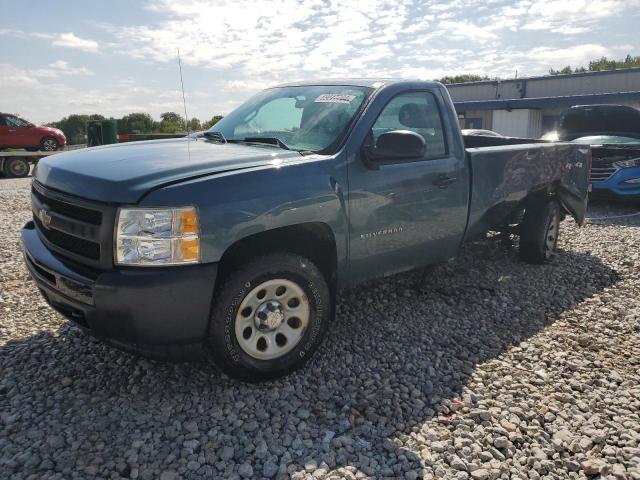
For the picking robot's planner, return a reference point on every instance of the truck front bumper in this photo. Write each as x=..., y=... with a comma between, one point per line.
x=159, y=312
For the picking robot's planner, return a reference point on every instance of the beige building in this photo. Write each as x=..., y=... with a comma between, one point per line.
x=530, y=107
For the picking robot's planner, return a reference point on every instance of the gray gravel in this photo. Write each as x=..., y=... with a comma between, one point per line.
x=482, y=368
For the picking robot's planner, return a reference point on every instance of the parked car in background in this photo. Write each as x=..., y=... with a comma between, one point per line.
x=477, y=131
x=16, y=132
x=613, y=131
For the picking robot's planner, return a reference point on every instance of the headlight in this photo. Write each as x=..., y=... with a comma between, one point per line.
x=630, y=163
x=157, y=236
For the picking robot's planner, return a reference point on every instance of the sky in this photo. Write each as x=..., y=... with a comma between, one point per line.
x=118, y=57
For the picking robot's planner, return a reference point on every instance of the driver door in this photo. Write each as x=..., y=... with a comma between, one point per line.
x=405, y=213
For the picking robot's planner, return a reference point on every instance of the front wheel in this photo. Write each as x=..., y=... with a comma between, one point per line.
x=539, y=231
x=269, y=317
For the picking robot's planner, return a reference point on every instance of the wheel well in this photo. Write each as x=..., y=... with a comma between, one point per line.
x=314, y=241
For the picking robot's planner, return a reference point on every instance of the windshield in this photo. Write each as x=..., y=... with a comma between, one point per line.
x=606, y=140
x=307, y=118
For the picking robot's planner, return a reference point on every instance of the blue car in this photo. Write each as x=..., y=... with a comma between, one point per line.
x=615, y=168
x=613, y=131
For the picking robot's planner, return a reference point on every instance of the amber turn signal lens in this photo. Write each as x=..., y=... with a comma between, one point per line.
x=190, y=249
x=189, y=222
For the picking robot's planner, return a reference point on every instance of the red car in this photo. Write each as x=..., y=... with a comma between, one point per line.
x=18, y=133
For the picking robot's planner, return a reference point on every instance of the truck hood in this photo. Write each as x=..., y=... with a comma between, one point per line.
x=124, y=173
x=594, y=120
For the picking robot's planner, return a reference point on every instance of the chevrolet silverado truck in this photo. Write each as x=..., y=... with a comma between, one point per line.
x=233, y=244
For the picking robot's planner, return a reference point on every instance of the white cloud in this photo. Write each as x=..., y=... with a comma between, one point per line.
x=244, y=85
x=266, y=42
x=231, y=48
x=569, y=17
x=59, y=68
x=46, y=95
x=254, y=44
x=464, y=29
x=70, y=40
x=574, y=55
x=11, y=77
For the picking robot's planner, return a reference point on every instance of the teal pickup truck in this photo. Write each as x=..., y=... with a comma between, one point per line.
x=233, y=243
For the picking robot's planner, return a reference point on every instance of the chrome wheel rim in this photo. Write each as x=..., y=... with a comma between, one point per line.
x=272, y=319
x=551, y=236
x=49, y=145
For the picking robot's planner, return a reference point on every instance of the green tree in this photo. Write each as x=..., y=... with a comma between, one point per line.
x=561, y=71
x=599, y=65
x=136, y=123
x=171, y=122
x=74, y=127
x=210, y=123
x=194, y=125
x=463, y=78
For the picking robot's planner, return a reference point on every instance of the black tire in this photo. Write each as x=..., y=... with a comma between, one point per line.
x=539, y=230
x=223, y=343
x=16, y=167
x=49, y=144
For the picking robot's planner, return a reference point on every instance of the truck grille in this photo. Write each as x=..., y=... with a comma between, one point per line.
x=79, y=229
x=73, y=244
x=73, y=211
x=601, y=169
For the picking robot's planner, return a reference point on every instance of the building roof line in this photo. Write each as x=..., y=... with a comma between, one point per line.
x=546, y=77
x=541, y=102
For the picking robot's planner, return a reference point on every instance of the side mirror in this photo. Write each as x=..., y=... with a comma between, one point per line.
x=397, y=145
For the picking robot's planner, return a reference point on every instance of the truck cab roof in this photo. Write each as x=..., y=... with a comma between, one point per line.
x=361, y=82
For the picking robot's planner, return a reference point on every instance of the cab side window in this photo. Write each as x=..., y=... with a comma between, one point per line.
x=15, y=122
x=417, y=112
x=3, y=121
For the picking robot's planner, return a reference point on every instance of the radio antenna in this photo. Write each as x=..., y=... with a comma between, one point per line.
x=184, y=104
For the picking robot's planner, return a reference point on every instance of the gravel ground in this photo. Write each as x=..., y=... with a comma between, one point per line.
x=482, y=368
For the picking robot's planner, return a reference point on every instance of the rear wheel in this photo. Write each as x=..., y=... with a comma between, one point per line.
x=49, y=144
x=539, y=230
x=16, y=167
x=269, y=317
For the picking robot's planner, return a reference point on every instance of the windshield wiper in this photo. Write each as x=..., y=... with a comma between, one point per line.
x=266, y=140
x=216, y=136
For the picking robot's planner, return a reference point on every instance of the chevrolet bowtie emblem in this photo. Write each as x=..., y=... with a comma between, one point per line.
x=45, y=218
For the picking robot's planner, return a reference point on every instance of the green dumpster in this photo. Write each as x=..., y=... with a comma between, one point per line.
x=101, y=132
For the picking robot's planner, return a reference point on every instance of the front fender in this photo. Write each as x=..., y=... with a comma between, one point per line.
x=235, y=205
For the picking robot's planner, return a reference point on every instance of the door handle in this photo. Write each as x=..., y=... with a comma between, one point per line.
x=443, y=181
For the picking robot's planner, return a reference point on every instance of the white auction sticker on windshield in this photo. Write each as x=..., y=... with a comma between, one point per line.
x=334, y=98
